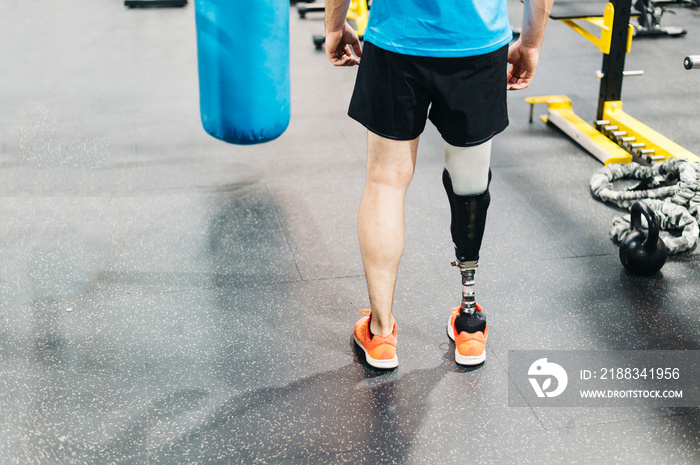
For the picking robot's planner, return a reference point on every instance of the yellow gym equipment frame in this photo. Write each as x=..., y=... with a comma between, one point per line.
x=359, y=13
x=616, y=137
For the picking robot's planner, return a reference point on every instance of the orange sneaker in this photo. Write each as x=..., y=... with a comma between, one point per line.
x=380, y=352
x=470, y=340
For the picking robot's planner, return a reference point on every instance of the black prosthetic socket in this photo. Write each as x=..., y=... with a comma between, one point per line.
x=468, y=219
x=470, y=322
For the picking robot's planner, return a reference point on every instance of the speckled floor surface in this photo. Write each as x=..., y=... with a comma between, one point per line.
x=168, y=298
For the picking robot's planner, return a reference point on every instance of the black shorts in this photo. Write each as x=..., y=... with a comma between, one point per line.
x=466, y=95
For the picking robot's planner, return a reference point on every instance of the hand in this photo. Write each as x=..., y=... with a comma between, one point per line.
x=523, y=62
x=340, y=45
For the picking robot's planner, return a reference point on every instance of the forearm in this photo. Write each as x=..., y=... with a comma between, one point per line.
x=534, y=22
x=336, y=12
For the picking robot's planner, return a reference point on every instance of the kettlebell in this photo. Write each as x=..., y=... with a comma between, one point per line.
x=640, y=253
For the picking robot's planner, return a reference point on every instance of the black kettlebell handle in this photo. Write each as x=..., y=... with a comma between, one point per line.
x=638, y=209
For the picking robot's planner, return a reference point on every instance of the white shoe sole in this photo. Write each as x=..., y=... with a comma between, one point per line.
x=383, y=364
x=464, y=359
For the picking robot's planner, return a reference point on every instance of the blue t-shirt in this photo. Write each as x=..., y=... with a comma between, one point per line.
x=439, y=28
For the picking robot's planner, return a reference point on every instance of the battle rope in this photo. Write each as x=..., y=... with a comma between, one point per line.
x=676, y=206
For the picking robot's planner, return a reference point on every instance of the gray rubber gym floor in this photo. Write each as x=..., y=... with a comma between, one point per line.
x=168, y=298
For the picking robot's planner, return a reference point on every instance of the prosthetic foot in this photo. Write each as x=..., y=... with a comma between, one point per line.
x=469, y=333
x=469, y=317
x=467, y=324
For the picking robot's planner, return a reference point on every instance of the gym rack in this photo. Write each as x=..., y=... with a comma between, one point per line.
x=615, y=137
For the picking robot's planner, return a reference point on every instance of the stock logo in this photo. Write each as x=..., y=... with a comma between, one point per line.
x=542, y=369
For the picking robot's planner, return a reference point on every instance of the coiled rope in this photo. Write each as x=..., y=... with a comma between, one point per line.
x=670, y=188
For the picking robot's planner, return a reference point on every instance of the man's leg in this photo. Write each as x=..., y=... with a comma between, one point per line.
x=390, y=167
x=466, y=180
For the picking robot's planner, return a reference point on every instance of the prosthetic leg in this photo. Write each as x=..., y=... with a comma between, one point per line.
x=467, y=228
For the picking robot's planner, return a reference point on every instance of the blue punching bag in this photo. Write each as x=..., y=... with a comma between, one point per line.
x=243, y=57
